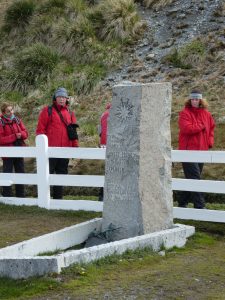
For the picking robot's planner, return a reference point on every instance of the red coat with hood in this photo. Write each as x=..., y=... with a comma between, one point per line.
x=52, y=126
x=8, y=130
x=196, y=129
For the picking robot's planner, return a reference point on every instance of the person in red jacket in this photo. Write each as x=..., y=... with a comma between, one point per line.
x=12, y=133
x=103, y=126
x=102, y=130
x=196, y=126
x=52, y=122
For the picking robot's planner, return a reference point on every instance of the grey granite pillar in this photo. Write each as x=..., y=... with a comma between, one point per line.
x=137, y=192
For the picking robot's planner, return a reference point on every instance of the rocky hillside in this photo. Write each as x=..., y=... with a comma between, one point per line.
x=96, y=44
x=183, y=42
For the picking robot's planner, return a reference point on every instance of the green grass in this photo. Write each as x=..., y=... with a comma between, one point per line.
x=133, y=273
x=19, y=14
x=24, y=289
x=188, y=56
x=19, y=223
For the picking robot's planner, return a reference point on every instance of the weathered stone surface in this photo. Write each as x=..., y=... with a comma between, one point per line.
x=26, y=267
x=18, y=268
x=169, y=238
x=138, y=193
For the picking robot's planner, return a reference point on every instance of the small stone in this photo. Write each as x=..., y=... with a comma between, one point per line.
x=150, y=56
x=162, y=253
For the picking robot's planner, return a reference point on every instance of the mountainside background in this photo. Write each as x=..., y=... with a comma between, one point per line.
x=88, y=46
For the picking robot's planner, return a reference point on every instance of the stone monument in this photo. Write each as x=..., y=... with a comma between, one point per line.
x=137, y=191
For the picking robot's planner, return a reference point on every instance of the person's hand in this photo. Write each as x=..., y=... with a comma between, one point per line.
x=203, y=126
x=18, y=135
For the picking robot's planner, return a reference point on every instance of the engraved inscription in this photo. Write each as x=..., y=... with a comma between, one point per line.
x=120, y=190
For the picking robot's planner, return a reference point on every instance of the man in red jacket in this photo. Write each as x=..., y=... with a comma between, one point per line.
x=52, y=122
x=196, y=133
x=12, y=133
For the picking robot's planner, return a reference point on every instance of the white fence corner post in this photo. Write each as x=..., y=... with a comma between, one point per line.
x=43, y=171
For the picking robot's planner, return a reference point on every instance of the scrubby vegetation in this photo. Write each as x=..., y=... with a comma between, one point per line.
x=54, y=33
x=71, y=43
x=30, y=67
x=188, y=56
x=77, y=43
x=18, y=15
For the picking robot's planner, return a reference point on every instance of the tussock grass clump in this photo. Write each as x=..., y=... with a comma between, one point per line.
x=87, y=78
x=69, y=33
x=72, y=37
x=116, y=20
x=53, y=6
x=18, y=14
x=31, y=66
x=187, y=57
x=40, y=29
x=77, y=5
x=62, y=8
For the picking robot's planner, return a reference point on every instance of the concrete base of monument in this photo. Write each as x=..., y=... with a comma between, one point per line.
x=16, y=263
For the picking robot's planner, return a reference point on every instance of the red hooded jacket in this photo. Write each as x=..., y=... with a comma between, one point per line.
x=52, y=126
x=8, y=130
x=196, y=129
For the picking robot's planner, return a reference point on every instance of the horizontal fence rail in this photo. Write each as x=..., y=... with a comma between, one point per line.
x=77, y=180
x=19, y=178
x=18, y=152
x=198, y=156
x=192, y=185
x=81, y=153
x=44, y=180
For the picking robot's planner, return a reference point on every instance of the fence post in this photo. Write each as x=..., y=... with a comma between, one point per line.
x=43, y=171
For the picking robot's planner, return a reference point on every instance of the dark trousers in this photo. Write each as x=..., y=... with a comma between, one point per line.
x=101, y=194
x=58, y=166
x=192, y=171
x=18, y=164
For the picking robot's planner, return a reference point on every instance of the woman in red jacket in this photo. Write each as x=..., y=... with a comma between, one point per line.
x=52, y=122
x=12, y=133
x=196, y=133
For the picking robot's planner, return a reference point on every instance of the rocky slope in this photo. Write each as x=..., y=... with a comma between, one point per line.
x=170, y=29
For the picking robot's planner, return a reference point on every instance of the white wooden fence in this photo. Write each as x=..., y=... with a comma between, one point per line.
x=44, y=180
